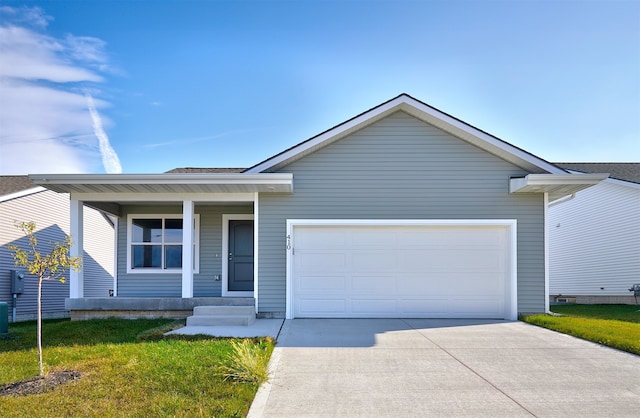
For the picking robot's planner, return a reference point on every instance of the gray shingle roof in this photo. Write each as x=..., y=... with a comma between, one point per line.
x=621, y=171
x=14, y=184
x=206, y=170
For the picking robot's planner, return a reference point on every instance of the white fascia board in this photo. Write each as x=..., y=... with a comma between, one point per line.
x=21, y=193
x=478, y=137
x=180, y=178
x=164, y=197
x=331, y=135
x=540, y=183
x=425, y=113
x=160, y=184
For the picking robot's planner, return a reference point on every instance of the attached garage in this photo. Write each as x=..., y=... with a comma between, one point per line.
x=401, y=269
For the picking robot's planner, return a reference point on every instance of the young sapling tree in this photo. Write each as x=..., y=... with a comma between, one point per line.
x=45, y=266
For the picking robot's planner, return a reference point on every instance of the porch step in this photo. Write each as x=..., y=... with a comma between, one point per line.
x=222, y=315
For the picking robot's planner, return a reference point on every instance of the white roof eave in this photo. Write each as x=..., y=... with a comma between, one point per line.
x=166, y=183
x=556, y=185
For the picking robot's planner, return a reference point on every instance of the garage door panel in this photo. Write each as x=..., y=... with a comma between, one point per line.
x=320, y=238
x=451, y=260
x=447, y=307
x=424, y=284
x=367, y=284
x=479, y=283
x=425, y=307
x=322, y=307
x=324, y=283
x=450, y=283
x=381, y=238
x=477, y=307
x=417, y=271
x=321, y=261
x=373, y=261
x=374, y=307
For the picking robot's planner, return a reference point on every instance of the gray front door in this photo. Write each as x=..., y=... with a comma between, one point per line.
x=240, y=256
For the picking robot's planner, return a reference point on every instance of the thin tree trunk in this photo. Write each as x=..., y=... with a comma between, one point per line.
x=39, y=332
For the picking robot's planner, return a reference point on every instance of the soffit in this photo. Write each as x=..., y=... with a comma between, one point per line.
x=177, y=183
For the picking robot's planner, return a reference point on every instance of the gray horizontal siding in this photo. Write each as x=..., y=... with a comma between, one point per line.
x=170, y=285
x=99, y=249
x=50, y=211
x=594, y=242
x=401, y=168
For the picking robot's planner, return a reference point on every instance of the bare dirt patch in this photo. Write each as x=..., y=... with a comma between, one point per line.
x=39, y=384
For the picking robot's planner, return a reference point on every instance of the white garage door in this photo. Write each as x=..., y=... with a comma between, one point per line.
x=402, y=271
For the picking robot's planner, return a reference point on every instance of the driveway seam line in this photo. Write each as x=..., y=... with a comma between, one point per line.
x=470, y=369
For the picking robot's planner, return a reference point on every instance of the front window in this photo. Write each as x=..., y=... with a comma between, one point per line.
x=155, y=243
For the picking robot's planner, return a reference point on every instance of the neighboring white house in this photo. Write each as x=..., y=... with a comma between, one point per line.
x=21, y=200
x=594, y=237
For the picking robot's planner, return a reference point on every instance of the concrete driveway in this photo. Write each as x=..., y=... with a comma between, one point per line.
x=443, y=368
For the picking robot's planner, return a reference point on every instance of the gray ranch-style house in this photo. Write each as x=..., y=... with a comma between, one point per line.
x=401, y=211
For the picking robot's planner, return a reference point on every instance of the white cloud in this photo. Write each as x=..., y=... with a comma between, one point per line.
x=33, y=16
x=48, y=125
x=110, y=159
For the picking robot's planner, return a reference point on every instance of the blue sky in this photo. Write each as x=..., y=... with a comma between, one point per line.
x=146, y=86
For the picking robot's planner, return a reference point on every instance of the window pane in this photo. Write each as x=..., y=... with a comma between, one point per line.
x=173, y=230
x=173, y=256
x=146, y=256
x=146, y=230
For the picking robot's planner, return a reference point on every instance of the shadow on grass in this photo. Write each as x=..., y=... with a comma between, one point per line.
x=67, y=333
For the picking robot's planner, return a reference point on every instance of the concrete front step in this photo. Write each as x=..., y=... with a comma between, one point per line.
x=224, y=310
x=222, y=315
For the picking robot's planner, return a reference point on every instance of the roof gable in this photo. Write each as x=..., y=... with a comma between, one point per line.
x=423, y=112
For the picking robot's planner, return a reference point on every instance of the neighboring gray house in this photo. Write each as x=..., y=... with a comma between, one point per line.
x=401, y=211
x=21, y=200
x=594, y=237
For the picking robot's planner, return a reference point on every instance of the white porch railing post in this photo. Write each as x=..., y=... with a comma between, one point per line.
x=187, y=248
x=76, y=278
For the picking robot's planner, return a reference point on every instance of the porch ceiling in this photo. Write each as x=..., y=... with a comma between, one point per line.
x=183, y=183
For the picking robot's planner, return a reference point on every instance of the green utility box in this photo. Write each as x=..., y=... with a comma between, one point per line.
x=4, y=317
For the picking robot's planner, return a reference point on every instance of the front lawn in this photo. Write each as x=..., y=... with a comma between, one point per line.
x=127, y=369
x=616, y=326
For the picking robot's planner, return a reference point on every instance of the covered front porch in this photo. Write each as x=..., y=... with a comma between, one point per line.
x=164, y=269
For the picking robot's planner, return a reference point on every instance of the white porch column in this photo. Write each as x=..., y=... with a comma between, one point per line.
x=187, y=248
x=76, y=278
x=256, y=236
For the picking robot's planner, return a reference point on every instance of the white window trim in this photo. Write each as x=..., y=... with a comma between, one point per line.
x=149, y=270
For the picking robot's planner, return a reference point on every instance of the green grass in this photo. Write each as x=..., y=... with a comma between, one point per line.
x=616, y=326
x=128, y=370
x=626, y=313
